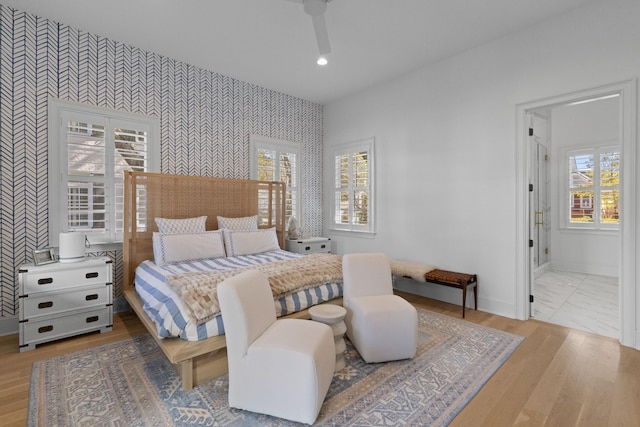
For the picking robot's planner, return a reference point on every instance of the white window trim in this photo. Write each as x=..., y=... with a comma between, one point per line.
x=56, y=109
x=367, y=145
x=596, y=150
x=257, y=142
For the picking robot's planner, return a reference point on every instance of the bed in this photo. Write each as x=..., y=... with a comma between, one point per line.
x=198, y=350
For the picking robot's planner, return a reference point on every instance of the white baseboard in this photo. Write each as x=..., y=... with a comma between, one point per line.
x=8, y=325
x=120, y=304
x=600, y=270
x=454, y=296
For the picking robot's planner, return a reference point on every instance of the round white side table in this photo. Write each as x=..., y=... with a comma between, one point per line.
x=333, y=315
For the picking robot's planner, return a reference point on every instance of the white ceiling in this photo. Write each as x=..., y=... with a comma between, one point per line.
x=271, y=43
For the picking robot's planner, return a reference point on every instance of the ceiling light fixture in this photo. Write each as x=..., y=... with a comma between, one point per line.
x=316, y=9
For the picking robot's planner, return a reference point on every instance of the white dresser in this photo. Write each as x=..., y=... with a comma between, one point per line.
x=64, y=299
x=310, y=245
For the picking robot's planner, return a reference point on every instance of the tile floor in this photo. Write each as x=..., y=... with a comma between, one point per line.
x=581, y=301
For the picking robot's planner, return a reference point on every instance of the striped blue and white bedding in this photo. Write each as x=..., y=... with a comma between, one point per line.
x=164, y=307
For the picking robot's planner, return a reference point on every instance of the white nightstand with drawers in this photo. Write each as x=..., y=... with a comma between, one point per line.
x=64, y=299
x=312, y=245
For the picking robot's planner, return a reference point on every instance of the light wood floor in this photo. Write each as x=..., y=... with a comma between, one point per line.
x=557, y=377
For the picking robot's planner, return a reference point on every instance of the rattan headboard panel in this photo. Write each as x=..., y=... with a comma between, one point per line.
x=151, y=195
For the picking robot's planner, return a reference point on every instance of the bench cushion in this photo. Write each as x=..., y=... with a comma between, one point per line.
x=449, y=277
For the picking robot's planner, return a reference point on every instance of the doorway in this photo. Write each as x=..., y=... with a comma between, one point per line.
x=577, y=287
x=528, y=257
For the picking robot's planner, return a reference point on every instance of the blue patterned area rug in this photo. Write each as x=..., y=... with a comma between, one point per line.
x=130, y=383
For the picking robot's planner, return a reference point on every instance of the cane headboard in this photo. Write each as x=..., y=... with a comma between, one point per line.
x=152, y=195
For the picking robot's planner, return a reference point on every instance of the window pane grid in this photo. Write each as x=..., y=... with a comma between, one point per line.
x=86, y=157
x=141, y=207
x=609, y=206
x=582, y=206
x=287, y=169
x=353, y=186
x=581, y=171
x=86, y=206
x=78, y=201
x=288, y=176
x=119, y=204
x=360, y=169
x=266, y=165
x=610, y=169
x=277, y=162
x=342, y=213
x=263, y=207
x=96, y=152
x=130, y=151
x=594, y=187
x=360, y=207
x=342, y=171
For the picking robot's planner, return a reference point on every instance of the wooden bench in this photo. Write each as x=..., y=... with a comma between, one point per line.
x=456, y=280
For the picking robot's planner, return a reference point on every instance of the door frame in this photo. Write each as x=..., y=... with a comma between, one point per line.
x=629, y=219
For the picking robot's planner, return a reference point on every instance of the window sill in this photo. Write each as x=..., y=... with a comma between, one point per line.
x=591, y=231
x=105, y=247
x=353, y=233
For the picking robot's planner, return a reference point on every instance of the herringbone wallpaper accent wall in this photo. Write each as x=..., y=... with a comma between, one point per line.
x=205, y=119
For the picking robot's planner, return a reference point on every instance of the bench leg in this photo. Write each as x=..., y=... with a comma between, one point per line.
x=464, y=297
x=475, y=296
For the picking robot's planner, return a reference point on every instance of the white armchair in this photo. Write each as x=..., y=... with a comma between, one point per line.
x=380, y=325
x=276, y=367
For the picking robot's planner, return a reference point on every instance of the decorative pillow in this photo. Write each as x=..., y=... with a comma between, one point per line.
x=245, y=223
x=182, y=226
x=250, y=242
x=172, y=248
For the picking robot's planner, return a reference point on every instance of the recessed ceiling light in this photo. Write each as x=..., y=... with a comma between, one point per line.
x=322, y=61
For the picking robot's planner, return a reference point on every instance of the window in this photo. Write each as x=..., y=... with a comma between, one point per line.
x=353, y=198
x=89, y=150
x=593, y=188
x=277, y=160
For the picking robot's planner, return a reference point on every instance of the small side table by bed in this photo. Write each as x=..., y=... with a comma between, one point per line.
x=333, y=315
x=312, y=245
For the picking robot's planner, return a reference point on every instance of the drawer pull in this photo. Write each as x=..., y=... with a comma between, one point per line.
x=323, y=246
x=43, y=329
x=45, y=281
x=47, y=304
x=91, y=297
x=307, y=248
x=92, y=275
x=92, y=319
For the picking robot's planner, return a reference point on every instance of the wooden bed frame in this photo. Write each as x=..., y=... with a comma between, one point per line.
x=150, y=195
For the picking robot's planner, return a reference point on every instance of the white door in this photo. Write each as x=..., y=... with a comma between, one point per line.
x=539, y=224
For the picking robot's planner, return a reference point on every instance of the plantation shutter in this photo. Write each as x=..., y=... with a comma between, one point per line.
x=96, y=152
x=278, y=160
x=353, y=191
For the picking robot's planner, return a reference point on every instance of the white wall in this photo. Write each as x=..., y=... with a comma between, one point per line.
x=445, y=141
x=583, y=125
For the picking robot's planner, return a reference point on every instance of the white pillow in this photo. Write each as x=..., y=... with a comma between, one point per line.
x=172, y=248
x=182, y=226
x=250, y=242
x=245, y=223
